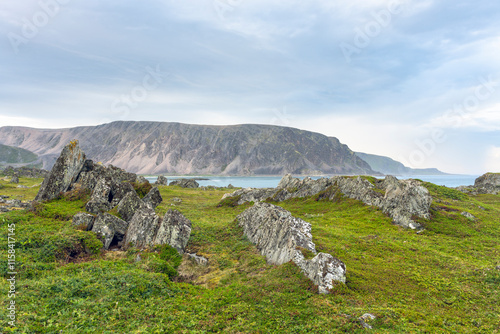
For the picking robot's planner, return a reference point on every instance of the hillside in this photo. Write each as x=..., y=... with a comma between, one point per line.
x=442, y=280
x=15, y=155
x=386, y=165
x=173, y=148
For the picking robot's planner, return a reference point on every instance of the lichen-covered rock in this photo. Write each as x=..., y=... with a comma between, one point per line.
x=200, y=260
x=14, y=179
x=109, y=229
x=323, y=270
x=185, y=183
x=129, y=205
x=143, y=228
x=162, y=181
x=153, y=198
x=276, y=232
x=119, y=191
x=280, y=237
x=488, y=183
x=175, y=230
x=64, y=173
x=83, y=221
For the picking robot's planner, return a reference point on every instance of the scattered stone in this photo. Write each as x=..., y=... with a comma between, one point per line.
x=280, y=237
x=497, y=267
x=15, y=179
x=138, y=258
x=177, y=200
x=143, y=228
x=84, y=221
x=109, y=229
x=63, y=174
x=29, y=172
x=153, y=198
x=22, y=187
x=468, y=215
x=365, y=318
x=230, y=186
x=185, y=183
x=174, y=230
x=162, y=181
x=200, y=260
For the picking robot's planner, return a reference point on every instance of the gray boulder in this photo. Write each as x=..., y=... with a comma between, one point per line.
x=175, y=230
x=14, y=179
x=488, y=183
x=109, y=229
x=143, y=228
x=129, y=205
x=280, y=237
x=153, y=198
x=199, y=260
x=162, y=181
x=84, y=221
x=63, y=174
x=185, y=183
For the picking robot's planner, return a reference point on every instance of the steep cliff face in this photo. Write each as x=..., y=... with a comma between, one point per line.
x=151, y=147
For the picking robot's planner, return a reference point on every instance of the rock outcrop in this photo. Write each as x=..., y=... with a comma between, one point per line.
x=30, y=172
x=14, y=179
x=488, y=183
x=112, y=187
x=64, y=173
x=280, y=237
x=399, y=199
x=185, y=183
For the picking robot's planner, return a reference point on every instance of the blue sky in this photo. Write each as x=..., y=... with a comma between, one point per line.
x=418, y=81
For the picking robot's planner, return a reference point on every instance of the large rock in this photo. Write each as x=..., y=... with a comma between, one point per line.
x=153, y=198
x=185, y=183
x=488, y=183
x=83, y=221
x=143, y=228
x=174, y=230
x=14, y=179
x=280, y=237
x=119, y=191
x=162, y=181
x=109, y=229
x=64, y=173
x=129, y=205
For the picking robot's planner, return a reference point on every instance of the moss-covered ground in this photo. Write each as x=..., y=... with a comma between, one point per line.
x=442, y=280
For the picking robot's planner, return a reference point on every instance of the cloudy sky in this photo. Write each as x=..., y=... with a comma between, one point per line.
x=418, y=81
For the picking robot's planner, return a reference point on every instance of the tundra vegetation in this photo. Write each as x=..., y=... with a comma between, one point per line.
x=439, y=279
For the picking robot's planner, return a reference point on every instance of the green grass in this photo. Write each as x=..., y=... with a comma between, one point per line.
x=442, y=280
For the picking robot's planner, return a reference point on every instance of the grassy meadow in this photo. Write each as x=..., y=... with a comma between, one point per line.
x=442, y=280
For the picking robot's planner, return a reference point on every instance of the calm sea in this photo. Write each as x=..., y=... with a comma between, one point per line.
x=272, y=181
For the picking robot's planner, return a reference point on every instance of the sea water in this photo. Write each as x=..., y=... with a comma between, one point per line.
x=272, y=181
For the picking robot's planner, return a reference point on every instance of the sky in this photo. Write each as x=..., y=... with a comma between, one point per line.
x=418, y=81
